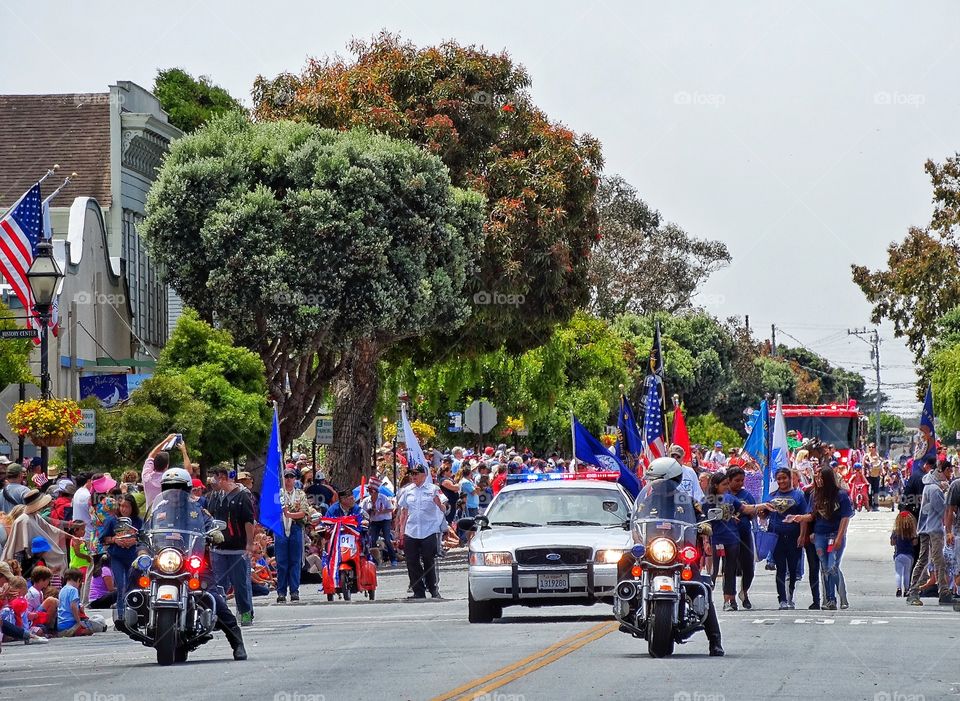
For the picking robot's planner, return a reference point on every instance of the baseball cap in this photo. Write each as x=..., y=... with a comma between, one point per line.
x=290, y=472
x=4, y=460
x=15, y=470
x=244, y=476
x=718, y=444
x=417, y=468
x=197, y=484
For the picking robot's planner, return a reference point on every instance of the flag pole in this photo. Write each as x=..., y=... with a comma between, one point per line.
x=573, y=444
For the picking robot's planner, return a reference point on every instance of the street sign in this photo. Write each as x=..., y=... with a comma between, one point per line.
x=523, y=432
x=480, y=417
x=325, y=430
x=455, y=424
x=86, y=432
x=19, y=333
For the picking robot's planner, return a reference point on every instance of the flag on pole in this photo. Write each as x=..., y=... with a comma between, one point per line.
x=271, y=513
x=629, y=440
x=779, y=450
x=591, y=451
x=415, y=454
x=47, y=233
x=20, y=231
x=759, y=428
x=653, y=425
x=928, y=433
x=680, y=434
x=656, y=353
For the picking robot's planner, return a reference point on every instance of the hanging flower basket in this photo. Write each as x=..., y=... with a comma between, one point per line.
x=48, y=423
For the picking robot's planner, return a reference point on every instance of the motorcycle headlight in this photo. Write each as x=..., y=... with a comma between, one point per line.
x=662, y=551
x=608, y=557
x=168, y=561
x=492, y=559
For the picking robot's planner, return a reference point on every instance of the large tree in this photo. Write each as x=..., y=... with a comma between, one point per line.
x=191, y=102
x=472, y=108
x=304, y=242
x=642, y=264
x=922, y=279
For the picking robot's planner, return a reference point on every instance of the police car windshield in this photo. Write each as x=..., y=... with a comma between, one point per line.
x=559, y=507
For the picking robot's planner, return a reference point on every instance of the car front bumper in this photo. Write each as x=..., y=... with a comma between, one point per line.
x=519, y=585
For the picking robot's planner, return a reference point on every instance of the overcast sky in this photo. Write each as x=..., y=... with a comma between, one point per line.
x=794, y=132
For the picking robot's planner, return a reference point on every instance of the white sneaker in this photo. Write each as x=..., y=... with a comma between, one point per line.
x=36, y=640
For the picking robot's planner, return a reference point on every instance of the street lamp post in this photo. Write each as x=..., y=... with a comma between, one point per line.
x=44, y=276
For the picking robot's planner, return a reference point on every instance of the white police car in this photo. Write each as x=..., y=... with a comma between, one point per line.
x=548, y=540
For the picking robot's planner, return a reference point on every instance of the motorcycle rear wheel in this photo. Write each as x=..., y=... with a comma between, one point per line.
x=660, y=629
x=166, y=637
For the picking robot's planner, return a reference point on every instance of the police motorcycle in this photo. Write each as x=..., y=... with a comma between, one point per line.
x=660, y=597
x=171, y=605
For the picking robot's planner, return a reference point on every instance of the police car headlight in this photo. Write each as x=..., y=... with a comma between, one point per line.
x=608, y=557
x=169, y=561
x=662, y=551
x=492, y=559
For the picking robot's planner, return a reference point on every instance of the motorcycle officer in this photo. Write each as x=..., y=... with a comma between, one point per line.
x=178, y=478
x=664, y=479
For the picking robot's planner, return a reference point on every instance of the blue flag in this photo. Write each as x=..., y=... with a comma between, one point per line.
x=928, y=434
x=779, y=448
x=592, y=451
x=628, y=435
x=271, y=514
x=756, y=446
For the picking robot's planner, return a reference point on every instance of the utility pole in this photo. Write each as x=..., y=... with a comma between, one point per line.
x=773, y=340
x=874, y=344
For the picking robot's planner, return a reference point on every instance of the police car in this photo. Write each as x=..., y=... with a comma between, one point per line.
x=548, y=540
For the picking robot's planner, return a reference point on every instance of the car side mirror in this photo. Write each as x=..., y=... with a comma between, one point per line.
x=467, y=523
x=714, y=514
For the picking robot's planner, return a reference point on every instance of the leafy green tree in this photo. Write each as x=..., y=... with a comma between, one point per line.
x=304, y=241
x=14, y=353
x=642, y=264
x=890, y=424
x=191, y=102
x=473, y=109
x=944, y=364
x=922, y=280
x=706, y=429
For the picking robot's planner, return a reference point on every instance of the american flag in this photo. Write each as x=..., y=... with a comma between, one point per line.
x=20, y=231
x=653, y=427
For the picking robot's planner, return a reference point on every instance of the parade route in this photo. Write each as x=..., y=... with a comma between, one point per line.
x=315, y=650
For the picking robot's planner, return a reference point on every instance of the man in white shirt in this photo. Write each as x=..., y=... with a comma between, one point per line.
x=716, y=458
x=379, y=510
x=690, y=483
x=422, y=508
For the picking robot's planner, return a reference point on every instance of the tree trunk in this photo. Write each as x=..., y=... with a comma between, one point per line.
x=354, y=423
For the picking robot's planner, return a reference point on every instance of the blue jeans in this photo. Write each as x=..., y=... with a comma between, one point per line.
x=289, y=552
x=378, y=528
x=829, y=564
x=121, y=580
x=234, y=570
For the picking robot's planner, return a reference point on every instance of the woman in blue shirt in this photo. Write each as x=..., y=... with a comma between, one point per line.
x=829, y=510
x=120, y=539
x=726, y=534
x=786, y=501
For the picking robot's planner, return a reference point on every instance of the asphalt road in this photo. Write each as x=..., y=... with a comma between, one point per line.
x=879, y=649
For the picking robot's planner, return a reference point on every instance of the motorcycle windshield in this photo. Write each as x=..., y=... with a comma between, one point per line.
x=664, y=511
x=176, y=521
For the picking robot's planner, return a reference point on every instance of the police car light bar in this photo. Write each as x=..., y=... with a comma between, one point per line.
x=607, y=476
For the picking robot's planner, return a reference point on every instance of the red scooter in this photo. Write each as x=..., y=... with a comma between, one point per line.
x=347, y=569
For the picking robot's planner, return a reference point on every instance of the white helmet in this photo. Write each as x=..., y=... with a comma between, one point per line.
x=176, y=478
x=663, y=469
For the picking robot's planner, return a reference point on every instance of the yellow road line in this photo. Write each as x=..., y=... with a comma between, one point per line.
x=532, y=663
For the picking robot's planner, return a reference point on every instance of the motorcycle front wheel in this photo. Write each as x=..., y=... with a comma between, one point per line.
x=660, y=629
x=166, y=637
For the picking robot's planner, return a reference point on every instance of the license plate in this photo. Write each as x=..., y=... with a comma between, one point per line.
x=346, y=541
x=553, y=582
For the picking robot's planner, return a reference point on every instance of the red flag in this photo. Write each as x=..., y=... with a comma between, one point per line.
x=680, y=435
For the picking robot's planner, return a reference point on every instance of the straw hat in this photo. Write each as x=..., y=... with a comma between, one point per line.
x=33, y=501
